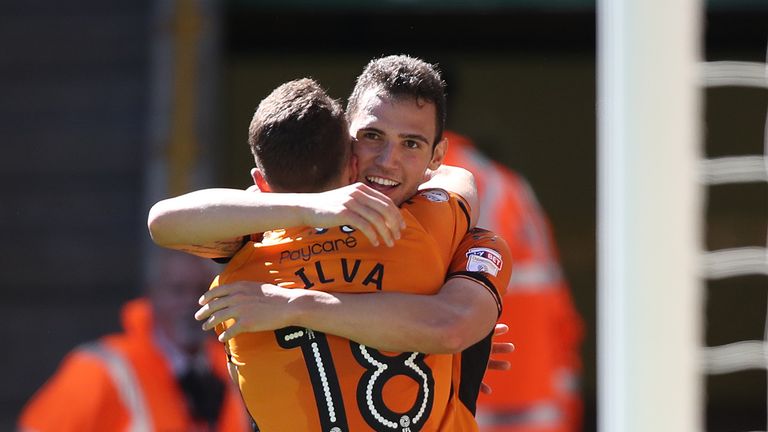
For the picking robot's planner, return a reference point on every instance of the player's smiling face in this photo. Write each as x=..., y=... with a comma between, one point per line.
x=393, y=143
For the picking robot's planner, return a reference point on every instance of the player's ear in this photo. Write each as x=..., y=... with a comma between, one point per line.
x=438, y=154
x=259, y=181
x=352, y=168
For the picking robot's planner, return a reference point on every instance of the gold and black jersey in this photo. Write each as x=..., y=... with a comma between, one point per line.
x=296, y=379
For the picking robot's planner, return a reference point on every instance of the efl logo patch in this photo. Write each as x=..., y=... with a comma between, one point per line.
x=484, y=260
x=435, y=195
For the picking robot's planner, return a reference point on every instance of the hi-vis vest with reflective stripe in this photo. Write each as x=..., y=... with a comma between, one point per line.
x=126, y=384
x=123, y=382
x=546, y=329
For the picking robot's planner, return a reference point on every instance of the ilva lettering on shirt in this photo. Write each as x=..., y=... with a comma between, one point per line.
x=327, y=272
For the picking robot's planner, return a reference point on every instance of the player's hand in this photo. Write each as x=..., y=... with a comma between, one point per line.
x=359, y=206
x=253, y=306
x=498, y=348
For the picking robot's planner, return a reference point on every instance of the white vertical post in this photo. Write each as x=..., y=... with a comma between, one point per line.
x=649, y=237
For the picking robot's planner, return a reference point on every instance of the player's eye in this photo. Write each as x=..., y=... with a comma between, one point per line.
x=411, y=144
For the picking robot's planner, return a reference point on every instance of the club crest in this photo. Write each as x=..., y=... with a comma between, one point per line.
x=484, y=260
x=435, y=195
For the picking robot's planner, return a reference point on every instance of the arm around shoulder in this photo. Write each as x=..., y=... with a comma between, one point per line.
x=212, y=222
x=462, y=313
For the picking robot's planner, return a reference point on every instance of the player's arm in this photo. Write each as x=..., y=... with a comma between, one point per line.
x=460, y=314
x=456, y=180
x=212, y=222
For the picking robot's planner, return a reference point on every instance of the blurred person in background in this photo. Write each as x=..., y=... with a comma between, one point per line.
x=540, y=393
x=162, y=373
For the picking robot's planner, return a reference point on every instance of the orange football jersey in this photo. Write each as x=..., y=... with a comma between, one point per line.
x=296, y=379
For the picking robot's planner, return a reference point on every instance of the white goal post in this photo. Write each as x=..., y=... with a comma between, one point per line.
x=649, y=216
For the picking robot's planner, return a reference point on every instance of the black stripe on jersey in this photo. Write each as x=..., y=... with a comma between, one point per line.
x=483, y=280
x=322, y=374
x=225, y=260
x=474, y=361
x=466, y=212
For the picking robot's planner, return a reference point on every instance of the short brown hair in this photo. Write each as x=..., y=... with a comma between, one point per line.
x=299, y=137
x=402, y=76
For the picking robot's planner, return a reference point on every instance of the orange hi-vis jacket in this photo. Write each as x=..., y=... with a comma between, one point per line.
x=122, y=382
x=296, y=379
x=540, y=393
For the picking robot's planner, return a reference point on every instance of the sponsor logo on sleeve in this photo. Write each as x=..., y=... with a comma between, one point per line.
x=484, y=260
x=435, y=195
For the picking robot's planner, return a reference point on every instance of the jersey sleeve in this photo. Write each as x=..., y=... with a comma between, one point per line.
x=461, y=220
x=484, y=257
x=462, y=211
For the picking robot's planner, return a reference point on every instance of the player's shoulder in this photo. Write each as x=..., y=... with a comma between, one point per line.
x=436, y=197
x=481, y=234
x=435, y=203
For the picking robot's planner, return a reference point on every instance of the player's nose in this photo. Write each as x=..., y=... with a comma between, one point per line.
x=387, y=156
